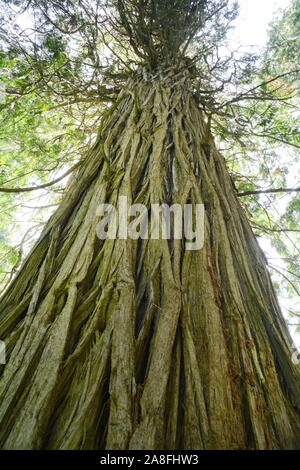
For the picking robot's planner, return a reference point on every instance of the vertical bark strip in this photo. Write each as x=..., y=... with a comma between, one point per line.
x=142, y=344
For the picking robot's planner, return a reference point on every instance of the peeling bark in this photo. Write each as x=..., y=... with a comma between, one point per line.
x=141, y=344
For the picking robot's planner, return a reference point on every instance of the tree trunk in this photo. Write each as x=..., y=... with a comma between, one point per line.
x=142, y=344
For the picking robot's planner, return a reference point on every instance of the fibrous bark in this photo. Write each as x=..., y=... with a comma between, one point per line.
x=141, y=344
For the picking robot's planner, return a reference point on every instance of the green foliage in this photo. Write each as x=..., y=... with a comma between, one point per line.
x=284, y=39
x=261, y=139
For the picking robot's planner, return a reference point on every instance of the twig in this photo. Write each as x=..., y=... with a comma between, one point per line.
x=269, y=191
x=34, y=188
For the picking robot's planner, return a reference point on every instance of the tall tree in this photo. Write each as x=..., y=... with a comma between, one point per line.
x=144, y=344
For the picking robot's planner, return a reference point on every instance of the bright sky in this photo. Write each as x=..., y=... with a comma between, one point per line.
x=252, y=22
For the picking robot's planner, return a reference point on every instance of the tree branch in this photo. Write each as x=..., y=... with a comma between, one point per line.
x=34, y=188
x=269, y=191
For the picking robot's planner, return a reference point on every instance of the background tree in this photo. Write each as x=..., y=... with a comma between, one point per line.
x=141, y=343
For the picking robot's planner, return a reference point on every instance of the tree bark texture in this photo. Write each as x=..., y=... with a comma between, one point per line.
x=141, y=344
